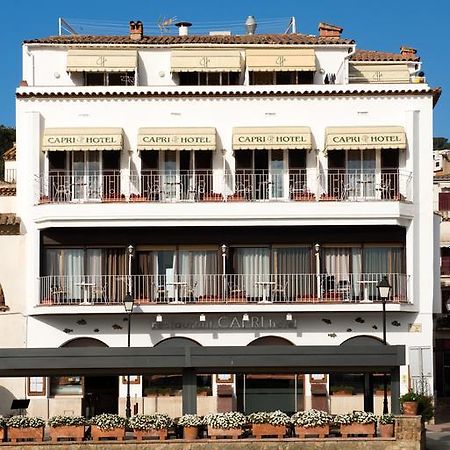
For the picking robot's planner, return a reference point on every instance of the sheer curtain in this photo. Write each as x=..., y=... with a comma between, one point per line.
x=73, y=272
x=196, y=269
x=254, y=265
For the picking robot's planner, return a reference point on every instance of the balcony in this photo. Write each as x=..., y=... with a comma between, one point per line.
x=221, y=289
x=217, y=186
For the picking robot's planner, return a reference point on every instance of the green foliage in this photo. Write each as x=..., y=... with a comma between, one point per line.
x=410, y=396
x=386, y=419
x=425, y=407
x=60, y=421
x=440, y=143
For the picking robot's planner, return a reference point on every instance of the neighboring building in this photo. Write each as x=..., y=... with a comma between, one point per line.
x=266, y=183
x=441, y=156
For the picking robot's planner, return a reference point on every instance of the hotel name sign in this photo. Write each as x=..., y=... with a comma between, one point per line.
x=82, y=140
x=225, y=322
x=173, y=139
x=299, y=140
x=176, y=139
x=366, y=139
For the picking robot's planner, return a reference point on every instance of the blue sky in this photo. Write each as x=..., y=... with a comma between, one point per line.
x=375, y=25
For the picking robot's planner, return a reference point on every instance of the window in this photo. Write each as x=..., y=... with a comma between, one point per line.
x=444, y=201
x=109, y=78
x=281, y=77
x=172, y=385
x=208, y=78
x=72, y=385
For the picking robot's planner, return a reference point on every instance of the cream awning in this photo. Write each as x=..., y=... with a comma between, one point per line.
x=272, y=59
x=378, y=73
x=101, y=60
x=73, y=139
x=206, y=60
x=354, y=138
x=177, y=139
x=271, y=138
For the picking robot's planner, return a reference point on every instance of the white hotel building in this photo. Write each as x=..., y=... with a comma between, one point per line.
x=266, y=184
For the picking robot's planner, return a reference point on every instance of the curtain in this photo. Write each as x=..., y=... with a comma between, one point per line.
x=114, y=265
x=199, y=270
x=252, y=266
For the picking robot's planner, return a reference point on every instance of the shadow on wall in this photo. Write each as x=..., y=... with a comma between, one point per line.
x=6, y=398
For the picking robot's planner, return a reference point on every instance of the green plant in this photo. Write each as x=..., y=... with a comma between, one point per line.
x=386, y=419
x=273, y=418
x=25, y=422
x=425, y=407
x=2, y=422
x=226, y=420
x=311, y=418
x=109, y=421
x=157, y=421
x=60, y=421
x=191, y=420
x=410, y=396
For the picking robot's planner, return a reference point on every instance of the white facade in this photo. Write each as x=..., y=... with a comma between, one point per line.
x=365, y=217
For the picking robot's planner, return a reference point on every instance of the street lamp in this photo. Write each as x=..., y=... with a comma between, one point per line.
x=128, y=303
x=384, y=289
x=224, y=250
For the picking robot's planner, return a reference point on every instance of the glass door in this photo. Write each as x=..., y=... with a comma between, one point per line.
x=86, y=179
x=171, y=179
x=276, y=174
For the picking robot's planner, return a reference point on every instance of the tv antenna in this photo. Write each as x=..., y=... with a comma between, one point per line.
x=164, y=24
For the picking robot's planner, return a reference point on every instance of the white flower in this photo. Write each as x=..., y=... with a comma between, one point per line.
x=311, y=418
x=191, y=420
x=157, y=421
x=356, y=417
x=273, y=418
x=59, y=421
x=226, y=421
x=25, y=422
x=108, y=421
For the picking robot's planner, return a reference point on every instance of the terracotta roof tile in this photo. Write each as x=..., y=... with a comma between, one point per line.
x=259, y=39
x=10, y=155
x=373, y=55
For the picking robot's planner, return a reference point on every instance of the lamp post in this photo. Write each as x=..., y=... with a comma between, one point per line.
x=384, y=288
x=128, y=303
x=317, y=259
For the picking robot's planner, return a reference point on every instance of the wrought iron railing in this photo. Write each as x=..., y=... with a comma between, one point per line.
x=219, y=288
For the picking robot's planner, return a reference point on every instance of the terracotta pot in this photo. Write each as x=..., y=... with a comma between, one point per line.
x=358, y=428
x=26, y=434
x=322, y=431
x=234, y=433
x=190, y=433
x=116, y=433
x=75, y=432
x=410, y=408
x=266, y=429
x=140, y=435
x=386, y=430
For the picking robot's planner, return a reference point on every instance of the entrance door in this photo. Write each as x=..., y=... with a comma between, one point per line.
x=100, y=395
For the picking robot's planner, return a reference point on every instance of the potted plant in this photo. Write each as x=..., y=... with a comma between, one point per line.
x=357, y=422
x=386, y=425
x=2, y=428
x=137, y=198
x=146, y=426
x=24, y=428
x=191, y=424
x=227, y=424
x=312, y=422
x=67, y=427
x=342, y=390
x=268, y=423
x=108, y=426
x=409, y=403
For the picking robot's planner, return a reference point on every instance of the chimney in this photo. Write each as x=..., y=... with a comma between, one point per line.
x=136, y=30
x=327, y=30
x=183, y=28
x=250, y=25
x=408, y=52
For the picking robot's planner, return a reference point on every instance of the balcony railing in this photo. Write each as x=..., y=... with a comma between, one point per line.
x=218, y=288
x=208, y=185
x=8, y=175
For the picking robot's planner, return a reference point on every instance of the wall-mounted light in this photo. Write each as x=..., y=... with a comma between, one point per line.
x=159, y=318
x=202, y=318
x=245, y=318
x=289, y=317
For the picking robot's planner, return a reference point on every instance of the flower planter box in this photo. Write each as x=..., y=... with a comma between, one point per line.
x=386, y=430
x=190, y=433
x=234, y=433
x=98, y=434
x=367, y=429
x=140, y=435
x=212, y=198
x=303, y=198
x=2, y=434
x=69, y=432
x=26, y=434
x=266, y=429
x=236, y=198
x=321, y=431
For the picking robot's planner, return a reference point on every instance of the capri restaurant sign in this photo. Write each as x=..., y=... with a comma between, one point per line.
x=225, y=322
